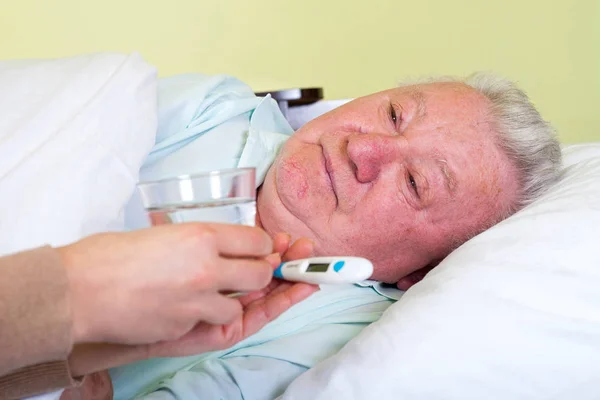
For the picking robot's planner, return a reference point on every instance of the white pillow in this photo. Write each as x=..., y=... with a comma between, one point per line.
x=512, y=314
x=73, y=135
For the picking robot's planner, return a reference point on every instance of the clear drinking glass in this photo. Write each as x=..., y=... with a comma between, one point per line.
x=225, y=196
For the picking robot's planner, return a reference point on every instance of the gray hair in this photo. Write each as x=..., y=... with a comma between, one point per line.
x=526, y=138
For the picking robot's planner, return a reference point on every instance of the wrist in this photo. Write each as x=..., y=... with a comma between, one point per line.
x=80, y=327
x=93, y=357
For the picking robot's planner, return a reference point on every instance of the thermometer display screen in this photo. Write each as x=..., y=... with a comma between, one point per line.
x=313, y=267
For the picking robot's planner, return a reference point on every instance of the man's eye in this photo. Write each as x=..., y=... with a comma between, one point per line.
x=413, y=183
x=393, y=116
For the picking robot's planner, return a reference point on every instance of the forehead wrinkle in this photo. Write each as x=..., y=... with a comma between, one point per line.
x=419, y=98
x=449, y=178
x=449, y=175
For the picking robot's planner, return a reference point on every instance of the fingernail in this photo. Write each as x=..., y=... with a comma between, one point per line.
x=312, y=246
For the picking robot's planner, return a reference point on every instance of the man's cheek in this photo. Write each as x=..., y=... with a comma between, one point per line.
x=291, y=179
x=379, y=214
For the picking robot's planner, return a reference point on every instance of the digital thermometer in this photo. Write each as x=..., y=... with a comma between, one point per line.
x=319, y=270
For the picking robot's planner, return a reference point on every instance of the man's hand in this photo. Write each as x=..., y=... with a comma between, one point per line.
x=414, y=277
x=259, y=308
x=96, y=386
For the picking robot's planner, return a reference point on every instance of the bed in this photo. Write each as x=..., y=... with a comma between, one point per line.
x=514, y=313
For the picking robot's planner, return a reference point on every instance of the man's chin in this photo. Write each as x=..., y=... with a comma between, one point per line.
x=271, y=216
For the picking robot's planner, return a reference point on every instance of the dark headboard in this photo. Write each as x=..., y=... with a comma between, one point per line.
x=294, y=97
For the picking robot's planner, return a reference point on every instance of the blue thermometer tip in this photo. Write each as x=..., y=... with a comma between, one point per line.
x=277, y=273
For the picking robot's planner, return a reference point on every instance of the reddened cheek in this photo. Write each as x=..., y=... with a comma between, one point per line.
x=291, y=178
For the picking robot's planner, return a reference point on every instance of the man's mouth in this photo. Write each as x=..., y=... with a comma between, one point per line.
x=329, y=172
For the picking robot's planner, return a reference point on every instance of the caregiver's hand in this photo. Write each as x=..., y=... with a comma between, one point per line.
x=260, y=308
x=157, y=284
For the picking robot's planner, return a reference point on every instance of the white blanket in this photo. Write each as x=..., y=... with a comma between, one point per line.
x=73, y=134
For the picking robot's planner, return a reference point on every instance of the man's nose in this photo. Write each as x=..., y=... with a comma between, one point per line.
x=370, y=152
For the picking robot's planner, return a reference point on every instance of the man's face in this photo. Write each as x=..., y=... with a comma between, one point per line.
x=395, y=177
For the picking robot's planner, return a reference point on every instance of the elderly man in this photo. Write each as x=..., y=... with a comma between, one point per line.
x=401, y=177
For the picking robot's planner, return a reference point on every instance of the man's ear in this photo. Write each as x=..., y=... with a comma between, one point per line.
x=415, y=276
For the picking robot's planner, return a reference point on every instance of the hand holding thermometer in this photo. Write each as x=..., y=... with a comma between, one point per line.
x=319, y=270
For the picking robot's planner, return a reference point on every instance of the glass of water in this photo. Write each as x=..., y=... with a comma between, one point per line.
x=224, y=196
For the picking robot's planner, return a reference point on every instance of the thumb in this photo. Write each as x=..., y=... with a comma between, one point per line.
x=273, y=259
x=302, y=248
x=281, y=242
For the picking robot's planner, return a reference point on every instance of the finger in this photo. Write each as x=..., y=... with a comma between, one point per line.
x=274, y=260
x=218, y=310
x=412, y=278
x=243, y=275
x=241, y=240
x=302, y=248
x=275, y=287
x=97, y=385
x=259, y=295
x=404, y=283
x=258, y=315
x=281, y=242
x=254, y=299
